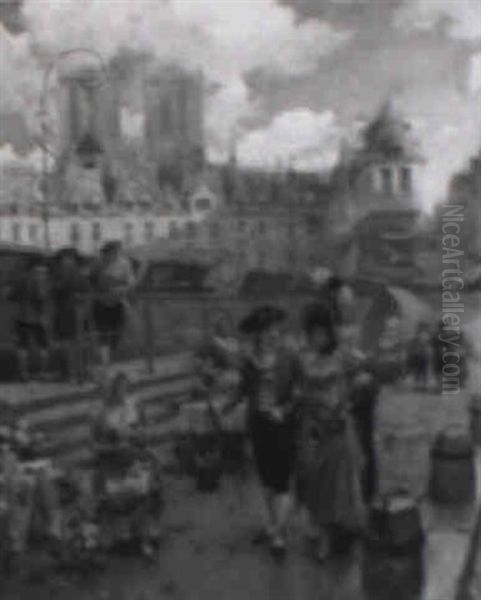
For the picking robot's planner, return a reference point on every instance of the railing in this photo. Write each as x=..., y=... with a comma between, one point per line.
x=161, y=323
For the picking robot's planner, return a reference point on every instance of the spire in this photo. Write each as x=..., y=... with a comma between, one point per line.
x=233, y=148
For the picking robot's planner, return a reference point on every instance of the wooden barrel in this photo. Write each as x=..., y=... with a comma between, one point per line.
x=453, y=475
x=476, y=418
x=393, y=565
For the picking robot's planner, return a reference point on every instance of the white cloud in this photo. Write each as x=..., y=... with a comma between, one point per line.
x=463, y=17
x=19, y=68
x=299, y=137
x=474, y=75
x=226, y=39
x=448, y=138
x=30, y=162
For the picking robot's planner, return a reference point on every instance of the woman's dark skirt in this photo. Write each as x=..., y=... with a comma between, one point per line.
x=274, y=450
x=109, y=322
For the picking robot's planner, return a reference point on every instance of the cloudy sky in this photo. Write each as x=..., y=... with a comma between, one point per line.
x=289, y=79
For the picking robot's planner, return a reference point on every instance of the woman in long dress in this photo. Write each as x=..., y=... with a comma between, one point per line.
x=329, y=462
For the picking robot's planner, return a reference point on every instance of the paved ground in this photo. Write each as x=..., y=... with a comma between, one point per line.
x=207, y=552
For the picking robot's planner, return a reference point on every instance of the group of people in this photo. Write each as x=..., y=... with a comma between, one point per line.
x=309, y=417
x=117, y=499
x=69, y=302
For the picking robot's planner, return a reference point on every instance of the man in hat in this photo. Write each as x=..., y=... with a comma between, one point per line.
x=268, y=375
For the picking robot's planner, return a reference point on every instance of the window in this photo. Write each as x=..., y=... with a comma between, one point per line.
x=16, y=233
x=33, y=233
x=129, y=234
x=149, y=231
x=262, y=227
x=173, y=231
x=406, y=180
x=387, y=180
x=202, y=204
x=214, y=229
x=261, y=260
x=75, y=234
x=241, y=226
x=376, y=179
x=96, y=232
x=191, y=230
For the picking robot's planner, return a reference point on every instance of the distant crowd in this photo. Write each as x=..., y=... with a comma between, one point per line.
x=67, y=304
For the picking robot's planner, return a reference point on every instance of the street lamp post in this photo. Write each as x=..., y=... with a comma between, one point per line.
x=43, y=111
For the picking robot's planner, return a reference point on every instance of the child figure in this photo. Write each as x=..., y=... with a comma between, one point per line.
x=127, y=474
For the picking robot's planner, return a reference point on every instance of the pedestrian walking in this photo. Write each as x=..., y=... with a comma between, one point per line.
x=329, y=459
x=268, y=373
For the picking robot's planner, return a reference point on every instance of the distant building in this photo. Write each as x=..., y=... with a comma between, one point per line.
x=174, y=119
x=465, y=192
x=376, y=210
x=89, y=104
x=267, y=221
x=364, y=214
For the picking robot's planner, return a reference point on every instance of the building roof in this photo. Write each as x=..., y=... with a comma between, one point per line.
x=167, y=250
x=390, y=135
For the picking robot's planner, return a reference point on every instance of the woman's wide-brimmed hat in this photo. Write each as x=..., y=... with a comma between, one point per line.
x=262, y=318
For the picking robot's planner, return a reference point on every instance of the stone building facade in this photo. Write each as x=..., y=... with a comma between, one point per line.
x=375, y=217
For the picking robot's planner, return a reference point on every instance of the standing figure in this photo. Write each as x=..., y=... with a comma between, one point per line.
x=419, y=356
x=364, y=391
x=29, y=488
x=71, y=297
x=329, y=461
x=218, y=374
x=114, y=280
x=268, y=374
x=391, y=351
x=32, y=299
x=127, y=473
x=336, y=294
